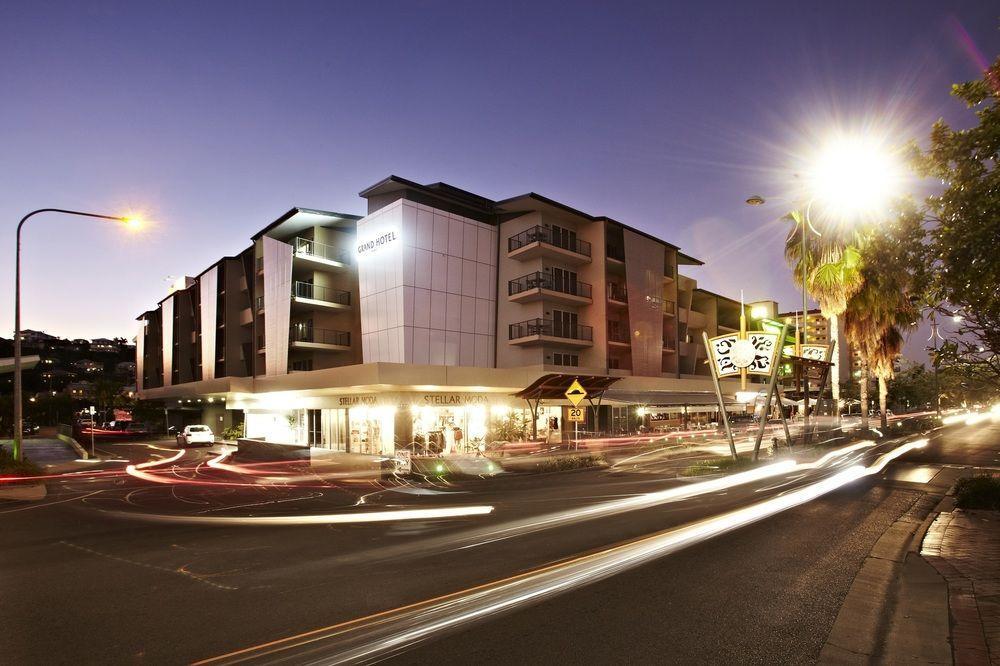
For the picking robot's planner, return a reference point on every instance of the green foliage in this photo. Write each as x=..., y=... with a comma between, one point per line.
x=512, y=427
x=11, y=467
x=564, y=463
x=964, y=242
x=718, y=465
x=978, y=492
x=234, y=432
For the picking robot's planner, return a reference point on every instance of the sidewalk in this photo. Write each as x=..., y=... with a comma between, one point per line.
x=964, y=547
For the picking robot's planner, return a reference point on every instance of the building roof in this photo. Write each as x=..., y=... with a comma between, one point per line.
x=554, y=386
x=298, y=219
x=511, y=206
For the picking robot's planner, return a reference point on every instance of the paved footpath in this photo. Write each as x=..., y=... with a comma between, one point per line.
x=964, y=547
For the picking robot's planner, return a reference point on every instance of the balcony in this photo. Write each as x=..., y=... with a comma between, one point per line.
x=617, y=294
x=669, y=308
x=616, y=336
x=546, y=331
x=307, y=337
x=615, y=252
x=543, y=286
x=308, y=296
x=540, y=241
x=320, y=254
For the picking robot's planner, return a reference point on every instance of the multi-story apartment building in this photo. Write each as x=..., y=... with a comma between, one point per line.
x=419, y=321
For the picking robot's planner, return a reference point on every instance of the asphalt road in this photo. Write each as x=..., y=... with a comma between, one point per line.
x=88, y=579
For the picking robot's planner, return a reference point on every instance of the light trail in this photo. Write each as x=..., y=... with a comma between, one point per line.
x=316, y=519
x=384, y=634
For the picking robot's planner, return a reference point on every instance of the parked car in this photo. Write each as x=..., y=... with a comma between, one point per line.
x=28, y=428
x=196, y=434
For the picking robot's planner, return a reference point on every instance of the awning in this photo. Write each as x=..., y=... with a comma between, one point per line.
x=666, y=398
x=553, y=387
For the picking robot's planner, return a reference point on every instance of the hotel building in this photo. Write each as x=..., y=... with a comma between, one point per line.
x=419, y=321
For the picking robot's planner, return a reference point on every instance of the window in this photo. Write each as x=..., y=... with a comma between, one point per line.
x=565, y=324
x=302, y=365
x=566, y=359
x=613, y=363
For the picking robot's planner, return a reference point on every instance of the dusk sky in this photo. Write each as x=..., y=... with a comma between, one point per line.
x=215, y=118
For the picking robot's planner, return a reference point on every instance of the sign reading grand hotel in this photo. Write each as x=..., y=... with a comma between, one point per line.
x=379, y=242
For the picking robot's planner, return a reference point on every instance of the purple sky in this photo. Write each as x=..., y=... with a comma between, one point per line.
x=215, y=118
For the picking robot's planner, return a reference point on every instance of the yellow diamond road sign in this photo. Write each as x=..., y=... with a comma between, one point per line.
x=576, y=393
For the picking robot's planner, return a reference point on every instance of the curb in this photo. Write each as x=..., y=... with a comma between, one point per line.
x=864, y=618
x=24, y=493
x=82, y=452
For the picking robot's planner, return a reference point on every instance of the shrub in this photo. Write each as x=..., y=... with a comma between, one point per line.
x=717, y=465
x=233, y=432
x=11, y=467
x=978, y=492
x=564, y=463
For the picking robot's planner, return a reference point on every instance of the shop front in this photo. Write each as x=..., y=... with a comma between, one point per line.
x=439, y=423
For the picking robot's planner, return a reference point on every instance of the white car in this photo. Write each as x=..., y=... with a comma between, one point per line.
x=196, y=434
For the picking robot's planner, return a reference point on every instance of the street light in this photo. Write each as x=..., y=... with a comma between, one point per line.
x=130, y=221
x=851, y=177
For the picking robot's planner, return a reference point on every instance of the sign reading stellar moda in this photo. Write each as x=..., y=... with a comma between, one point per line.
x=377, y=243
x=755, y=354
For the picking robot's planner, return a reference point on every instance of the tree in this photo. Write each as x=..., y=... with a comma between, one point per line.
x=964, y=241
x=886, y=304
x=833, y=276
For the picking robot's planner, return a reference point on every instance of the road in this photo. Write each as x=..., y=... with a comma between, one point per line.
x=90, y=578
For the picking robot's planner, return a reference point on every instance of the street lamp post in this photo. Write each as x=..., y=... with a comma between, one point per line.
x=758, y=200
x=18, y=413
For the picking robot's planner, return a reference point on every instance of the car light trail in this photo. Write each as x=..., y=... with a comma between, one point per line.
x=384, y=634
x=318, y=519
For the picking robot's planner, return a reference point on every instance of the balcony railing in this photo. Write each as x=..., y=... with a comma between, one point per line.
x=320, y=335
x=321, y=250
x=616, y=252
x=617, y=292
x=545, y=235
x=541, y=280
x=616, y=334
x=549, y=328
x=669, y=307
x=319, y=293
x=259, y=301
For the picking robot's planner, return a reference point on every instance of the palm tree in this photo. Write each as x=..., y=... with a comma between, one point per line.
x=885, y=353
x=833, y=275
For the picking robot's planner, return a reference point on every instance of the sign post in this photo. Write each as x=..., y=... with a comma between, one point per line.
x=576, y=394
x=93, y=426
x=771, y=387
x=734, y=354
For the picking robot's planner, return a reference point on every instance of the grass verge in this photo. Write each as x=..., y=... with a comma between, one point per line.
x=11, y=467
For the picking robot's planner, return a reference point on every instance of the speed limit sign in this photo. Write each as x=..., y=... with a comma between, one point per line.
x=575, y=414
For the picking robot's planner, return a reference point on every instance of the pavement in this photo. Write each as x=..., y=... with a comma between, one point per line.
x=115, y=567
x=964, y=548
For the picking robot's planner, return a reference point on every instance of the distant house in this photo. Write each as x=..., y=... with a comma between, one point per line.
x=80, y=390
x=104, y=345
x=88, y=367
x=125, y=369
x=35, y=339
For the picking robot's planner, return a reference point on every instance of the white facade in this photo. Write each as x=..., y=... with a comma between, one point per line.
x=428, y=287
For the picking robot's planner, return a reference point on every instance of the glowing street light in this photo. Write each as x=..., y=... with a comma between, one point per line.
x=130, y=221
x=852, y=177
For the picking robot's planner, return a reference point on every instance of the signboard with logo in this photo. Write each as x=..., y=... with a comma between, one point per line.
x=756, y=354
x=377, y=243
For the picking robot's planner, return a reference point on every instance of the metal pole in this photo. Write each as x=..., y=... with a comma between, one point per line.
x=937, y=381
x=18, y=411
x=718, y=394
x=772, y=383
x=805, y=318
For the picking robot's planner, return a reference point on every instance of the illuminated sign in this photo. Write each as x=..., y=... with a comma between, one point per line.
x=377, y=244
x=756, y=354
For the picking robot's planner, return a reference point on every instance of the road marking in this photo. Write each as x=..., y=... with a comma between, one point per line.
x=181, y=571
x=42, y=506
